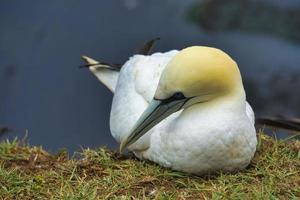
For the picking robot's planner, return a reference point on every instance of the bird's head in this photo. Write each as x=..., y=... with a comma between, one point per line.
x=196, y=74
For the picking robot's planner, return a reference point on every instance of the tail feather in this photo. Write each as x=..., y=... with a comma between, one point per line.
x=107, y=73
x=90, y=62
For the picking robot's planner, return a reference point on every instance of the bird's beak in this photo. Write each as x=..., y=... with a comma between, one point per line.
x=156, y=112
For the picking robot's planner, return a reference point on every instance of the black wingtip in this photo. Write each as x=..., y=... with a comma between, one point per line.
x=91, y=65
x=83, y=66
x=146, y=48
x=288, y=124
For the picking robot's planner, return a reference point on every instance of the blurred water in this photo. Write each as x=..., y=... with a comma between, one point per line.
x=43, y=90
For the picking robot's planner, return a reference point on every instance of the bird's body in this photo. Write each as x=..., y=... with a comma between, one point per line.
x=207, y=135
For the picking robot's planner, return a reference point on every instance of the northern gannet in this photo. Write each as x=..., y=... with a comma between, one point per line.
x=184, y=110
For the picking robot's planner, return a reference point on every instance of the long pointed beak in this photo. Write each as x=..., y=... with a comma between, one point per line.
x=155, y=113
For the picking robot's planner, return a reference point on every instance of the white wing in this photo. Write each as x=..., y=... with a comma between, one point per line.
x=135, y=88
x=250, y=113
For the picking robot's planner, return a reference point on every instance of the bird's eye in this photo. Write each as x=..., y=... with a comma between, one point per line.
x=178, y=95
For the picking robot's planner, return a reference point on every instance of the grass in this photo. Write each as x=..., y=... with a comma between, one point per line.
x=32, y=173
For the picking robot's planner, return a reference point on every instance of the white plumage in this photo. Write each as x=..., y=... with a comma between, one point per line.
x=135, y=89
x=201, y=138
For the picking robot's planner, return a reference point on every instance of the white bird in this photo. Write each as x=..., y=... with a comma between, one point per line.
x=184, y=110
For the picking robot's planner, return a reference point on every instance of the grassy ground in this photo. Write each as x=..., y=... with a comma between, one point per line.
x=31, y=173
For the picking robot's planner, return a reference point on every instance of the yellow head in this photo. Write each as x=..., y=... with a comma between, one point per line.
x=200, y=71
x=195, y=75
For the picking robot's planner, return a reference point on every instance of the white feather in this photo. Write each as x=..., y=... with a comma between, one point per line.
x=105, y=75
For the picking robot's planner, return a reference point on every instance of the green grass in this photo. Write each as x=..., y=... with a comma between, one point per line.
x=32, y=173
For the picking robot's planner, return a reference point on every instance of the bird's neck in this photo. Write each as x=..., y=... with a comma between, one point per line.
x=233, y=101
